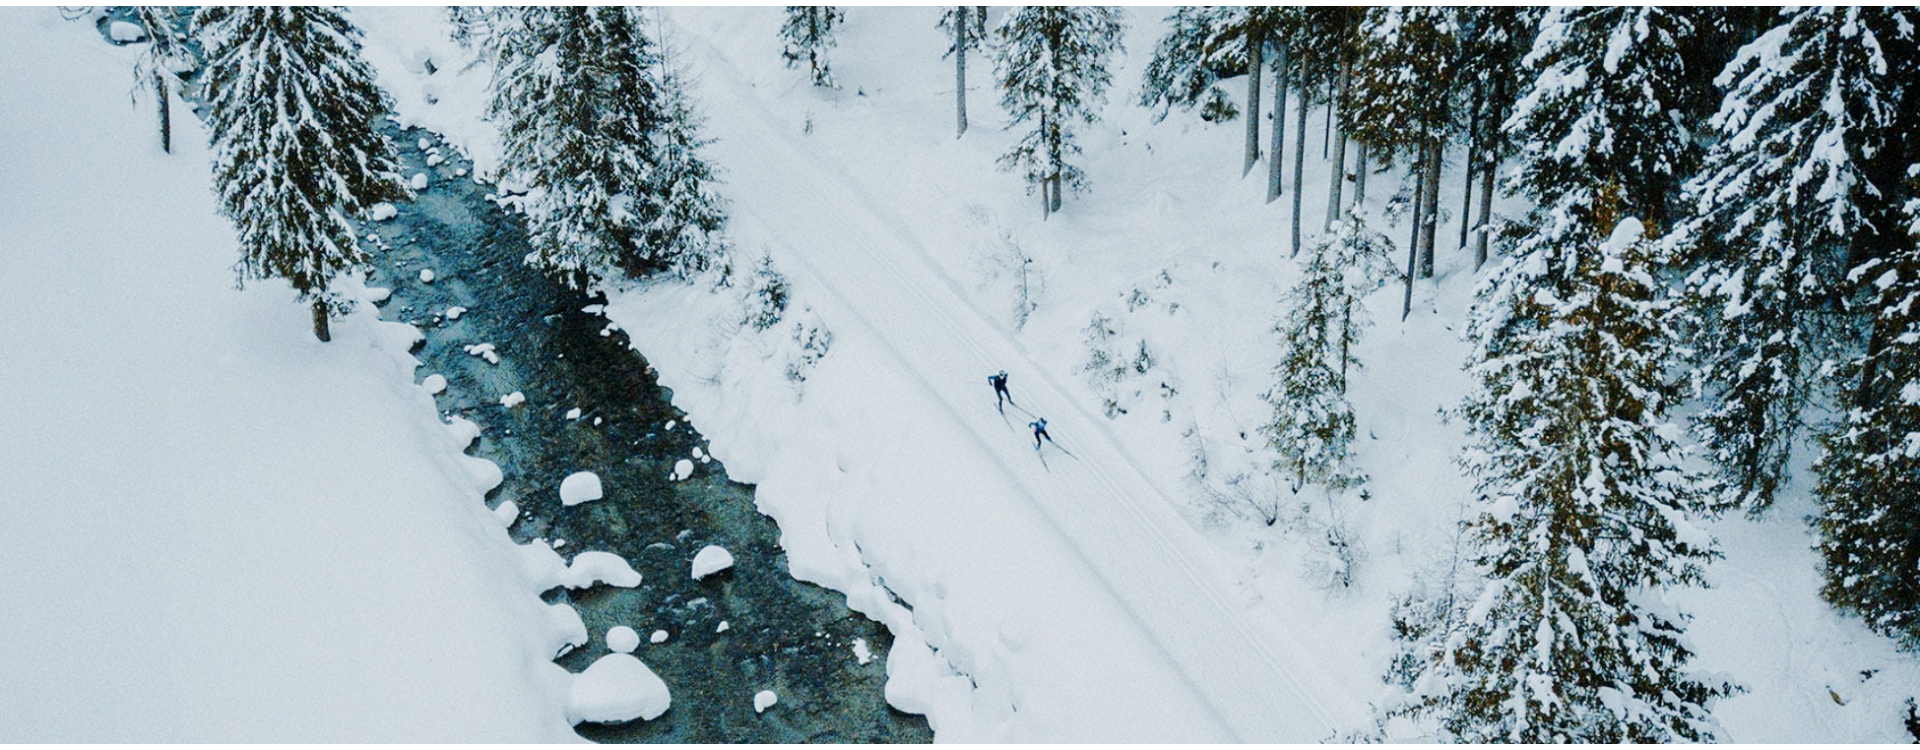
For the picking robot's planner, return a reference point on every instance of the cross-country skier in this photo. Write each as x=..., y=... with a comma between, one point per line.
x=1000, y=396
x=1040, y=431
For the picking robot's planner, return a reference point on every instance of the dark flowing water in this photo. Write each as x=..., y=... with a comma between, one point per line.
x=793, y=638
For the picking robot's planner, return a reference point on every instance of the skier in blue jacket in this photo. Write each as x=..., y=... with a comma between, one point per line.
x=1039, y=431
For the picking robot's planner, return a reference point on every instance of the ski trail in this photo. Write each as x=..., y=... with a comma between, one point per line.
x=1121, y=524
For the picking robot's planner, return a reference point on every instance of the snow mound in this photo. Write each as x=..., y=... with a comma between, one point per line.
x=483, y=351
x=711, y=559
x=573, y=413
x=426, y=276
x=589, y=568
x=622, y=639
x=454, y=313
x=764, y=700
x=420, y=181
x=617, y=688
x=861, y=652
x=126, y=33
x=580, y=487
x=383, y=211
x=506, y=513
x=682, y=469
x=659, y=636
x=513, y=399
x=435, y=384
x=376, y=294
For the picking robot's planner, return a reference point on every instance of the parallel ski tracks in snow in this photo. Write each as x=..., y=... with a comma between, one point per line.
x=1118, y=520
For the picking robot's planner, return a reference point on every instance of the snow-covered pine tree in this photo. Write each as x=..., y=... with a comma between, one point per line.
x=1869, y=486
x=1599, y=110
x=1597, y=114
x=1783, y=205
x=297, y=150
x=1051, y=67
x=577, y=106
x=1405, y=100
x=1202, y=45
x=1312, y=421
x=683, y=215
x=968, y=25
x=807, y=35
x=1585, y=519
x=166, y=56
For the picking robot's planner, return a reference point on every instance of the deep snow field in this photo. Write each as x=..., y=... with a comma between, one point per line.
x=218, y=528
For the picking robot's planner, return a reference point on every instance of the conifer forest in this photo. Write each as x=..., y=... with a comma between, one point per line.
x=1441, y=374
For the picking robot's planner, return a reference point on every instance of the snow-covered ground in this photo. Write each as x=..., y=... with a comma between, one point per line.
x=1132, y=591
x=217, y=529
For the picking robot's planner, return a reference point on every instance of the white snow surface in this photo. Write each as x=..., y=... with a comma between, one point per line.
x=616, y=688
x=1123, y=593
x=580, y=487
x=434, y=384
x=711, y=559
x=764, y=700
x=682, y=469
x=217, y=528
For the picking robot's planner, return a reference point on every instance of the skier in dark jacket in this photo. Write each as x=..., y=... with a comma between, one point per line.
x=1000, y=396
x=1040, y=431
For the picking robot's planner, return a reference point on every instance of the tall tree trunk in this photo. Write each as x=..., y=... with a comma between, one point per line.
x=320, y=330
x=960, y=21
x=1326, y=130
x=1274, y=159
x=1360, y=177
x=1481, y=227
x=1473, y=152
x=1489, y=169
x=1299, y=156
x=1338, y=105
x=1431, y=227
x=1254, y=64
x=166, y=111
x=1413, y=240
x=1056, y=193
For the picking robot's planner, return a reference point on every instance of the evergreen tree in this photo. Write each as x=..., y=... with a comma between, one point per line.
x=1783, y=204
x=1869, y=487
x=1597, y=116
x=1584, y=522
x=1405, y=101
x=577, y=104
x=297, y=151
x=807, y=35
x=684, y=216
x=1202, y=45
x=1312, y=421
x=1052, y=71
x=968, y=25
x=1600, y=111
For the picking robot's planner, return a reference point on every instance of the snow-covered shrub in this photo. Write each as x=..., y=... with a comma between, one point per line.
x=766, y=298
x=813, y=339
x=1006, y=269
x=1112, y=361
x=1333, y=551
x=1244, y=494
